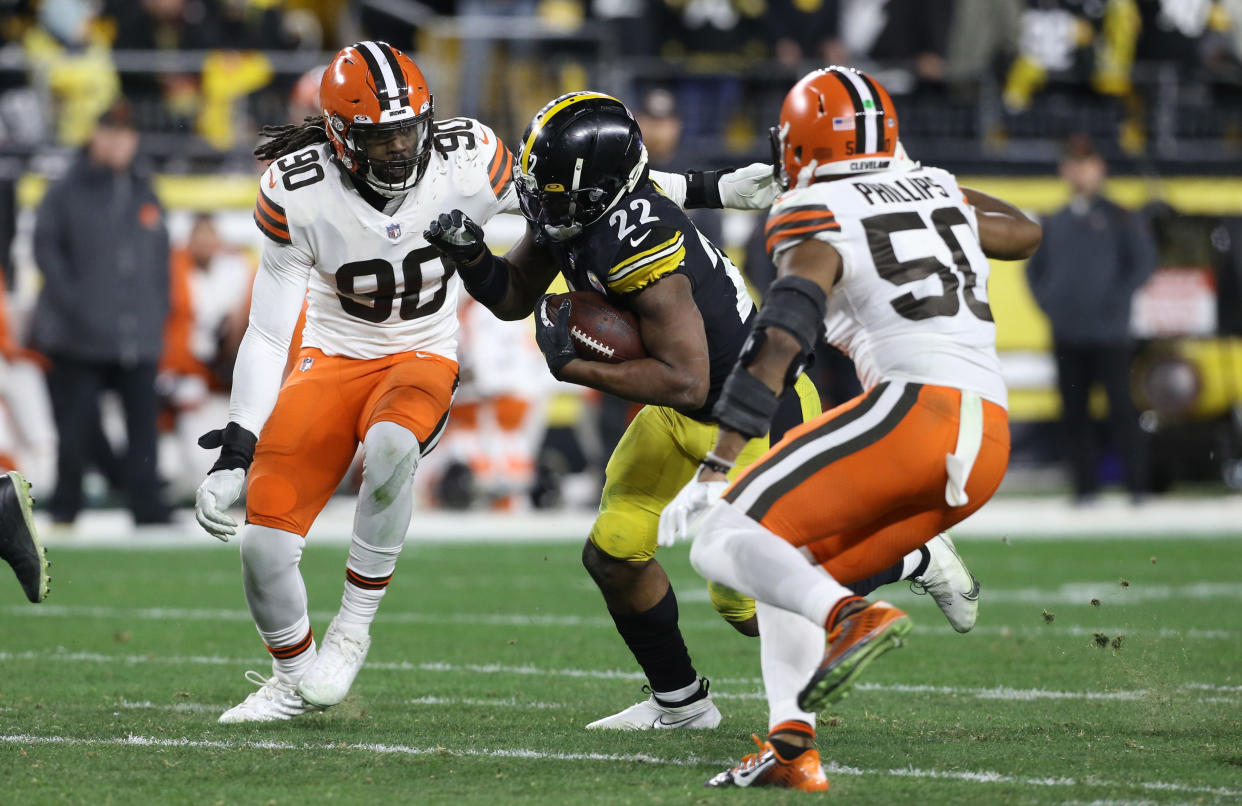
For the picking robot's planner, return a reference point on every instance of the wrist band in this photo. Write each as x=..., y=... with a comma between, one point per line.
x=713, y=462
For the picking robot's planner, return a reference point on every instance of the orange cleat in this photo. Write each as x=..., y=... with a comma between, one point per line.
x=767, y=768
x=853, y=643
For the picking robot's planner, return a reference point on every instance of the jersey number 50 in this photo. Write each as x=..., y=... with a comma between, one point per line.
x=880, y=230
x=376, y=306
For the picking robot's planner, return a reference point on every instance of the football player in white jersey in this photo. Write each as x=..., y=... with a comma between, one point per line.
x=343, y=208
x=888, y=261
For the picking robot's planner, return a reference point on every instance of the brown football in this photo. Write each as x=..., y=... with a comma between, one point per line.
x=599, y=331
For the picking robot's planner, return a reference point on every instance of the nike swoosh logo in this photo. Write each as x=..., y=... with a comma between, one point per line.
x=271, y=178
x=484, y=139
x=745, y=777
x=640, y=239
x=661, y=722
x=973, y=594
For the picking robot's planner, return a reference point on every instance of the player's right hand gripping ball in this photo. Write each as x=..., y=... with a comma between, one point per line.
x=457, y=237
x=552, y=331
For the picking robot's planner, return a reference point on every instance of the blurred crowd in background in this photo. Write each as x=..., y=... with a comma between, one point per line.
x=975, y=77
x=127, y=296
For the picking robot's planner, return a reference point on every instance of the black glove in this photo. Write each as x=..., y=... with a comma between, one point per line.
x=553, y=336
x=236, y=444
x=457, y=237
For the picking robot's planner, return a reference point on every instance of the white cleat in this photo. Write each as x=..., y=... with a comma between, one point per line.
x=274, y=701
x=950, y=583
x=651, y=715
x=329, y=678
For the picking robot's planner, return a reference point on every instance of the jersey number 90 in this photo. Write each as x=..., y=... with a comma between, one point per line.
x=376, y=306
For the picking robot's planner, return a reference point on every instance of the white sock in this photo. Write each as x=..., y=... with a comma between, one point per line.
x=736, y=551
x=276, y=596
x=911, y=562
x=790, y=649
x=293, y=650
x=366, y=579
x=385, y=502
x=680, y=694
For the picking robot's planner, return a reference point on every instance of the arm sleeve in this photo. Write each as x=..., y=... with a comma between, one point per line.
x=275, y=304
x=672, y=185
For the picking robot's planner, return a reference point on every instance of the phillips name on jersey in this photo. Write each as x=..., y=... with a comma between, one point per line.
x=376, y=288
x=911, y=302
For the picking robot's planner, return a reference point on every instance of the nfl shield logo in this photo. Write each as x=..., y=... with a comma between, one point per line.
x=306, y=364
x=394, y=231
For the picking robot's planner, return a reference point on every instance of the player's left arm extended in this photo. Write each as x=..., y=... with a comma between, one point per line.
x=752, y=187
x=676, y=371
x=508, y=286
x=786, y=332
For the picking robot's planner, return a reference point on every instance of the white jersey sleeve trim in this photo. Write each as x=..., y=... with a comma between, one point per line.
x=275, y=304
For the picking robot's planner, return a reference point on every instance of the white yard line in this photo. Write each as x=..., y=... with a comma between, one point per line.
x=967, y=776
x=1019, y=517
x=997, y=693
x=448, y=702
x=540, y=620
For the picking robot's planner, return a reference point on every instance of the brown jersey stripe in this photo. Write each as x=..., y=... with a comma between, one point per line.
x=271, y=230
x=803, y=220
x=793, y=232
x=504, y=176
x=780, y=452
x=273, y=209
x=367, y=583
x=293, y=650
x=832, y=453
x=498, y=159
x=798, y=214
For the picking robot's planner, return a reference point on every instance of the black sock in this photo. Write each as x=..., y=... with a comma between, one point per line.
x=864, y=586
x=657, y=645
x=784, y=749
x=924, y=561
x=787, y=751
x=891, y=574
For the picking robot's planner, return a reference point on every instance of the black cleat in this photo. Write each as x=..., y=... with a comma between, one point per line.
x=19, y=542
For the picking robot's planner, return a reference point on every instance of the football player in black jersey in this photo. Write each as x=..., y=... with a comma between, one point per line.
x=595, y=216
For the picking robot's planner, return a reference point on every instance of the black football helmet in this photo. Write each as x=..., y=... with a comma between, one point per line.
x=579, y=156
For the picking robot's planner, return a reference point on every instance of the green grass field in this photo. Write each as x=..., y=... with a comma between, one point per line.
x=488, y=660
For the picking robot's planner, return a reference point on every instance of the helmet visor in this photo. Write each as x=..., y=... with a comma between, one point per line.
x=560, y=208
x=394, y=153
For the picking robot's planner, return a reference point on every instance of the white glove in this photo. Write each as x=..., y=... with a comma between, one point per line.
x=216, y=494
x=751, y=188
x=678, y=518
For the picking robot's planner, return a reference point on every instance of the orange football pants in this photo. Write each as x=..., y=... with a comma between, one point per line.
x=864, y=484
x=325, y=408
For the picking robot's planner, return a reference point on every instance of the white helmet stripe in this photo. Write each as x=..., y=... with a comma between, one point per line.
x=870, y=119
x=389, y=85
